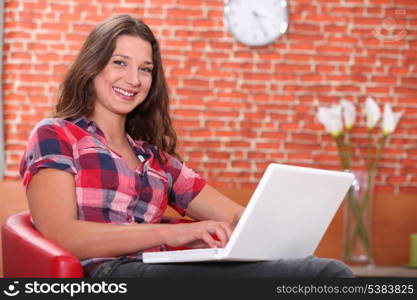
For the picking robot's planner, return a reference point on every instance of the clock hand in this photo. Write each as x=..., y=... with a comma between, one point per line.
x=258, y=20
x=257, y=14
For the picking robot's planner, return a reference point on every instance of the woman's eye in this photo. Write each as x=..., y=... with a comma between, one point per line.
x=147, y=70
x=119, y=62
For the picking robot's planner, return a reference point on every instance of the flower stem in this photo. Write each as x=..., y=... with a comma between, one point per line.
x=348, y=150
x=359, y=227
x=344, y=160
x=359, y=207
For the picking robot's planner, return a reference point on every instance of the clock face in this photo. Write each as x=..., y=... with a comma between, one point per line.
x=256, y=22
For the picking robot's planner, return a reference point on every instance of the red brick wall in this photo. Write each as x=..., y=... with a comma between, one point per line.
x=235, y=108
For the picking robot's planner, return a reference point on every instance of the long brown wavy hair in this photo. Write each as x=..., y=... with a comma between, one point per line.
x=150, y=121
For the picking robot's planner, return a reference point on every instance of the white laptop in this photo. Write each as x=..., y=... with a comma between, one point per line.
x=286, y=217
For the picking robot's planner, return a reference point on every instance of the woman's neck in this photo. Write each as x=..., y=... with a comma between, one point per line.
x=112, y=125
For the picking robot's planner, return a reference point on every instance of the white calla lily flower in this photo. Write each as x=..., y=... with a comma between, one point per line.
x=373, y=113
x=390, y=119
x=349, y=113
x=331, y=118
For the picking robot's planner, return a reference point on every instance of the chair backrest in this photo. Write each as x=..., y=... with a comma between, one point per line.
x=27, y=253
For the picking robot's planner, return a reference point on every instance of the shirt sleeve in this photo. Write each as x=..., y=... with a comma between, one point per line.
x=185, y=184
x=48, y=147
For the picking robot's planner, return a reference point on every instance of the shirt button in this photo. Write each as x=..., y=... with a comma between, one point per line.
x=31, y=156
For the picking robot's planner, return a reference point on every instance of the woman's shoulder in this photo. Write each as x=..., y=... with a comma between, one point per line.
x=55, y=127
x=54, y=122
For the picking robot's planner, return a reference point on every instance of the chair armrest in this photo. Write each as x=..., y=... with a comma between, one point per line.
x=26, y=253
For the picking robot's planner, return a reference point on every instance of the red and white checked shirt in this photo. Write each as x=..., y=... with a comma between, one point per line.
x=107, y=189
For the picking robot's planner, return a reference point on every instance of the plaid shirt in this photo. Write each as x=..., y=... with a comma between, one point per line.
x=107, y=189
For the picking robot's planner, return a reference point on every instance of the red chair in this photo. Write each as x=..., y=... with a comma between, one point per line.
x=26, y=253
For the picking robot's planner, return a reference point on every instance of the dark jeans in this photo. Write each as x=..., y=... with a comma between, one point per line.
x=309, y=267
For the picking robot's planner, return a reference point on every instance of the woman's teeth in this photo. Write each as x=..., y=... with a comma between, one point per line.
x=123, y=92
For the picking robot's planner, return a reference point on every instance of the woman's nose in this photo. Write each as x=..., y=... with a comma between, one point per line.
x=132, y=77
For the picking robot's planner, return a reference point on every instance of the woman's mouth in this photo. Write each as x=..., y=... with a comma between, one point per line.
x=124, y=94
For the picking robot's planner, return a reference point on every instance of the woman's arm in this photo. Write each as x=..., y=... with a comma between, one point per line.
x=52, y=202
x=210, y=204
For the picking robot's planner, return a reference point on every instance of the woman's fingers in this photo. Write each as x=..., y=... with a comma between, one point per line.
x=210, y=241
x=223, y=232
x=211, y=234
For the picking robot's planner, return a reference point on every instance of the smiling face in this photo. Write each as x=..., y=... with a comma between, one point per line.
x=125, y=81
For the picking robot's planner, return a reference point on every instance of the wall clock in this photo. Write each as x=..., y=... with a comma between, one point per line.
x=256, y=23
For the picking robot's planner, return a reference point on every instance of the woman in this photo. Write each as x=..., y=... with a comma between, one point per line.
x=101, y=173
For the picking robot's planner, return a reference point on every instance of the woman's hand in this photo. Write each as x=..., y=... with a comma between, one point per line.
x=199, y=234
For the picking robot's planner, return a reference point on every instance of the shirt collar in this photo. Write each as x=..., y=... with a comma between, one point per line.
x=142, y=148
x=89, y=125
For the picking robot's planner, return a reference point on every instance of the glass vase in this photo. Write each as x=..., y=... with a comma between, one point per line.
x=357, y=234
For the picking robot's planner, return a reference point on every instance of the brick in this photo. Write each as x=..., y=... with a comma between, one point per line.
x=186, y=113
x=200, y=133
x=292, y=67
x=298, y=57
x=208, y=144
x=48, y=36
x=218, y=155
x=304, y=37
x=55, y=26
x=254, y=87
x=299, y=157
x=186, y=123
x=241, y=164
x=180, y=13
x=334, y=49
x=306, y=27
x=348, y=88
x=249, y=134
x=336, y=29
x=196, y=83
x=410, y=81
x=17, y=35
x=237, y=144
x=215, y=165
x=266, y=146
x=377, y=90
x=403, y=90
x=343, y=40
x=48, y=57
x=34, y=6
x=406, y=2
